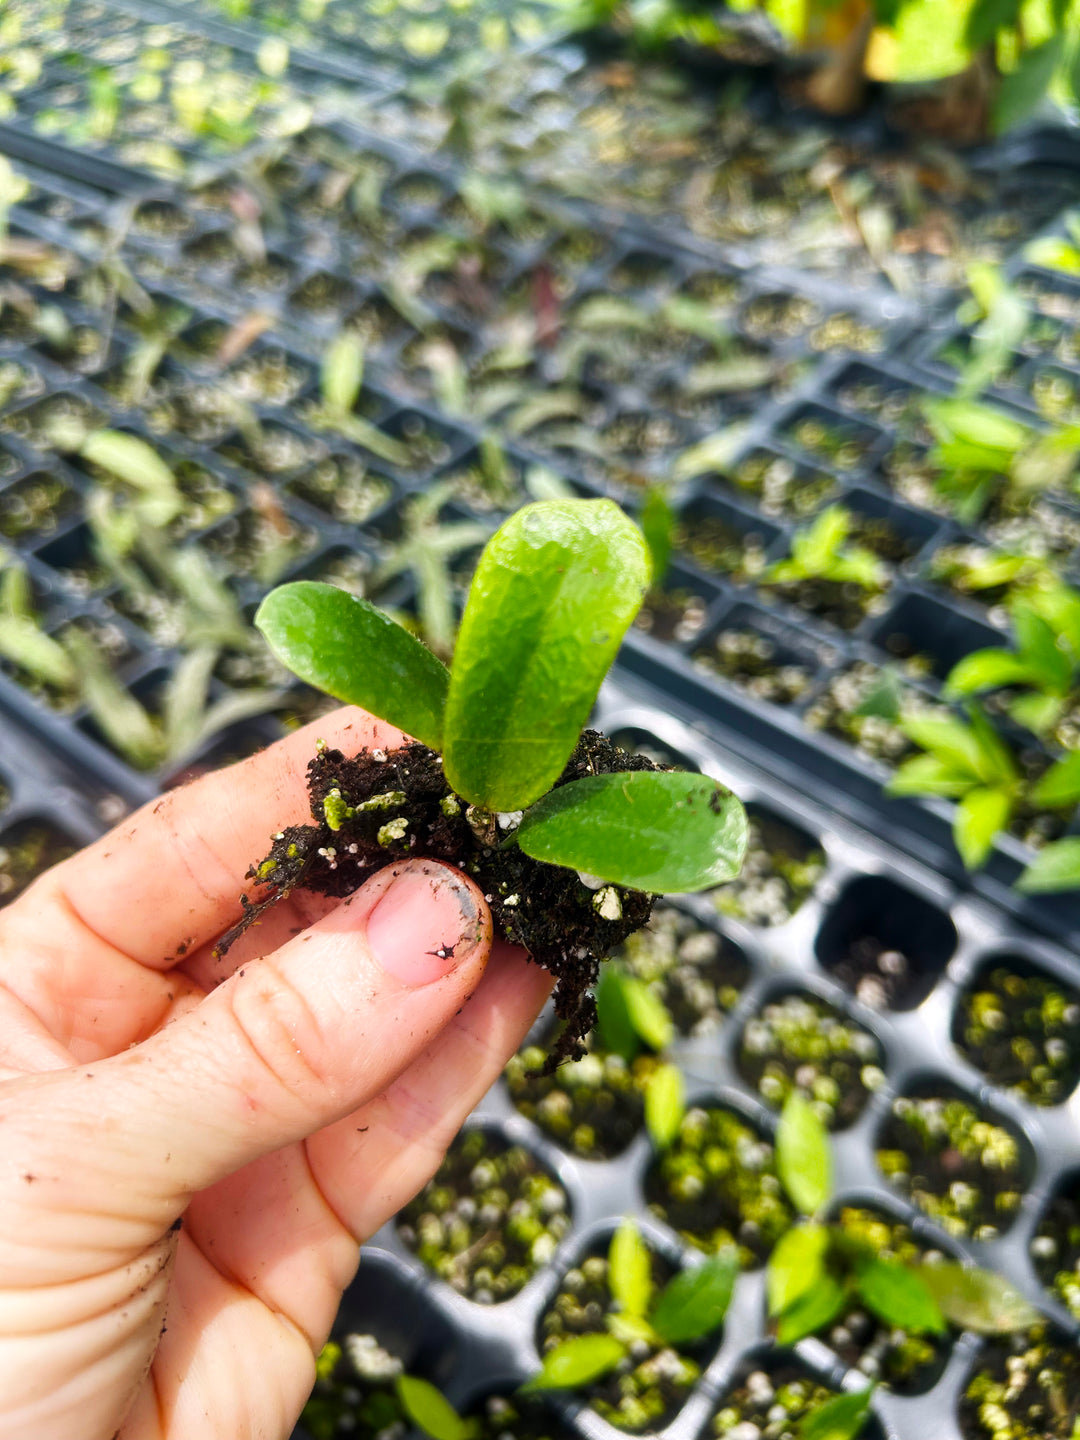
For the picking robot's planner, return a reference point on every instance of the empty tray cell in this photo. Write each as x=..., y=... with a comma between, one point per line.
x=860, y=706
x=800, y=1042
x=650, y=1386
x=27, y=849
x=270, y=273
x=73, y=559
x=697, y=972
x=1021, y=1027
x=162, y=220
x=751, y=651
x=716, y=1184
x=830, y=438
x=1055, y=1246
x=342, y=487
x=593, y=1107
x=266, y=375
x=881, y=398
x=642, y=270
x=723, y=540
x=263, y=541
x=930, y=637
x=782, y=868
x=888, y=945
x=272, y=449
x=780, y=485
x=957, y=1159
x=344, y=567
x=1024, y=1388
x=1055, y=393
x=771, y=1398
x=909, y=1364
x=675, y=610
x=778, y=317
x=385, y=1328
x=32, y=507
x=490, y=1218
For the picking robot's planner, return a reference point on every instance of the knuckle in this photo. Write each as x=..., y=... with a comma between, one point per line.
x=277, y=1025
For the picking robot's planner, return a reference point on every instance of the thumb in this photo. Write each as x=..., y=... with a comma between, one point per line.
x=288, y=1044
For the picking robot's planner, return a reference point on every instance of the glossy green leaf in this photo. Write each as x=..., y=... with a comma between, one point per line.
x=694, y=1302
x=841, y=1418
x=1023, y=90
x=986, y=18
x=553, y=593
x=647, y=830
x=796, y=1265
x=429, y=1409
x=977, y=1299
x=1037, y=713
x=648, y=1014
x=1060, y=786
x=1056, y=867
x=803, y=1154
x=355, y=652
x=976, y=425
x=813, y=1310
x=630, y=1270
x=577, y=1361
x=898, y=1295
x=665, y=1104
x=980, y=815
x=929, y=775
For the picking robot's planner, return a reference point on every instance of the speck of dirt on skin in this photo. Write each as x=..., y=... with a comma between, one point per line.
x=240, y=972
x=29, y=1178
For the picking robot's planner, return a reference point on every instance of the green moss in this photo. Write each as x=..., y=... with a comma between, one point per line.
x=26, y=850
x=768, y=1405
x=1022, y=1029
x=1055, y=1247
x=1026, y=1388
x=593, y=1107
x=697, y=973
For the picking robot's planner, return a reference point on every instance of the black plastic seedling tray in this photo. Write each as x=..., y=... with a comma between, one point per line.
x=864, y=887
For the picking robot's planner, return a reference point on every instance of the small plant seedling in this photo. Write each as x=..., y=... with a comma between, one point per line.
x=820, y=551
x=567, y=836
x=690, y=1307
x=630, y=1015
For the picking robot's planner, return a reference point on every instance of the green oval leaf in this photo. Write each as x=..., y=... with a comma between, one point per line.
x=803, y=1154
x=618, y=1034
x=694, y=1302
x=813, y=1310
x=1060, y=786
x=352, y=650
x=977, y=1299
x=647, y=830
x=577, y=1361
x=665, y=1104
x=630, y=1270
x=342, y=374
x=979, y=817
x=1056, y=867
x=429, y=1409
x=554, y=591
x=898, y=1295
x=841, y=1418
x=795, y=1265
x=648, y=1014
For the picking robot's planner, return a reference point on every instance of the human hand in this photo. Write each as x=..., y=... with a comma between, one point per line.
x=191, y=1149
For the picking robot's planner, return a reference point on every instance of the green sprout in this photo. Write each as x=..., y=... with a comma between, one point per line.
x=554, y=591
x=820, y=551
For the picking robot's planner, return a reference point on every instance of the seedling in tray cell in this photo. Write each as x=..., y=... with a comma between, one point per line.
x=786, y=1402
x=861, y=706
x=826, y=575
x=630, y=1334
x=500, y=777
x=1026, y=1387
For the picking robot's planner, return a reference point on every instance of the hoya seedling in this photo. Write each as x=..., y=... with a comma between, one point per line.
x=820, y=551
x=567, y=836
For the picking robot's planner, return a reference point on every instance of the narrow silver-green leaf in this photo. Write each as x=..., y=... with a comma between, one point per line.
x=137, y=464
x=647, y=830
x=355, y=652
x=342, y=372
x=553, y=593
x=803, y=1154
x=694, y=1302
x=630, y=1270
x=429, y=1409
x=577, y=1361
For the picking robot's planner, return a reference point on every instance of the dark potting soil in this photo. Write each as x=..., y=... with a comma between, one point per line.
x=593, y=1107
x=354, y=1394
x=1055, y=1246
x=769, y=1405
x=488, y=1220
x=1022, y=1029
x=380, y=807
x=1024, y=1388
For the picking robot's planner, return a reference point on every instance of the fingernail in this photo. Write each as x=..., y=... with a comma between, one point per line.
x=424, y=925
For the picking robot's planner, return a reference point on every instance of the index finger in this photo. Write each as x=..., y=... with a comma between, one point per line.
x=168, y=879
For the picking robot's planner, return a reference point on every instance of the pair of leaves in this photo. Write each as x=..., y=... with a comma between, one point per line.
x=691, y=1306
x=810, y=1285
x=819, y=551
x=630, y=1013
x=553, y=593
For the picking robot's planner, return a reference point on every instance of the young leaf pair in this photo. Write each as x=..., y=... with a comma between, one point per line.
x=629, y=1015
x=690, y=1307
x=553, y=593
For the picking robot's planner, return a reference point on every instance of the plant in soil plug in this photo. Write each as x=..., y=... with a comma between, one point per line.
x=569, y=837
x=341, y=380
x=620, y=1330
x=825, y=574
